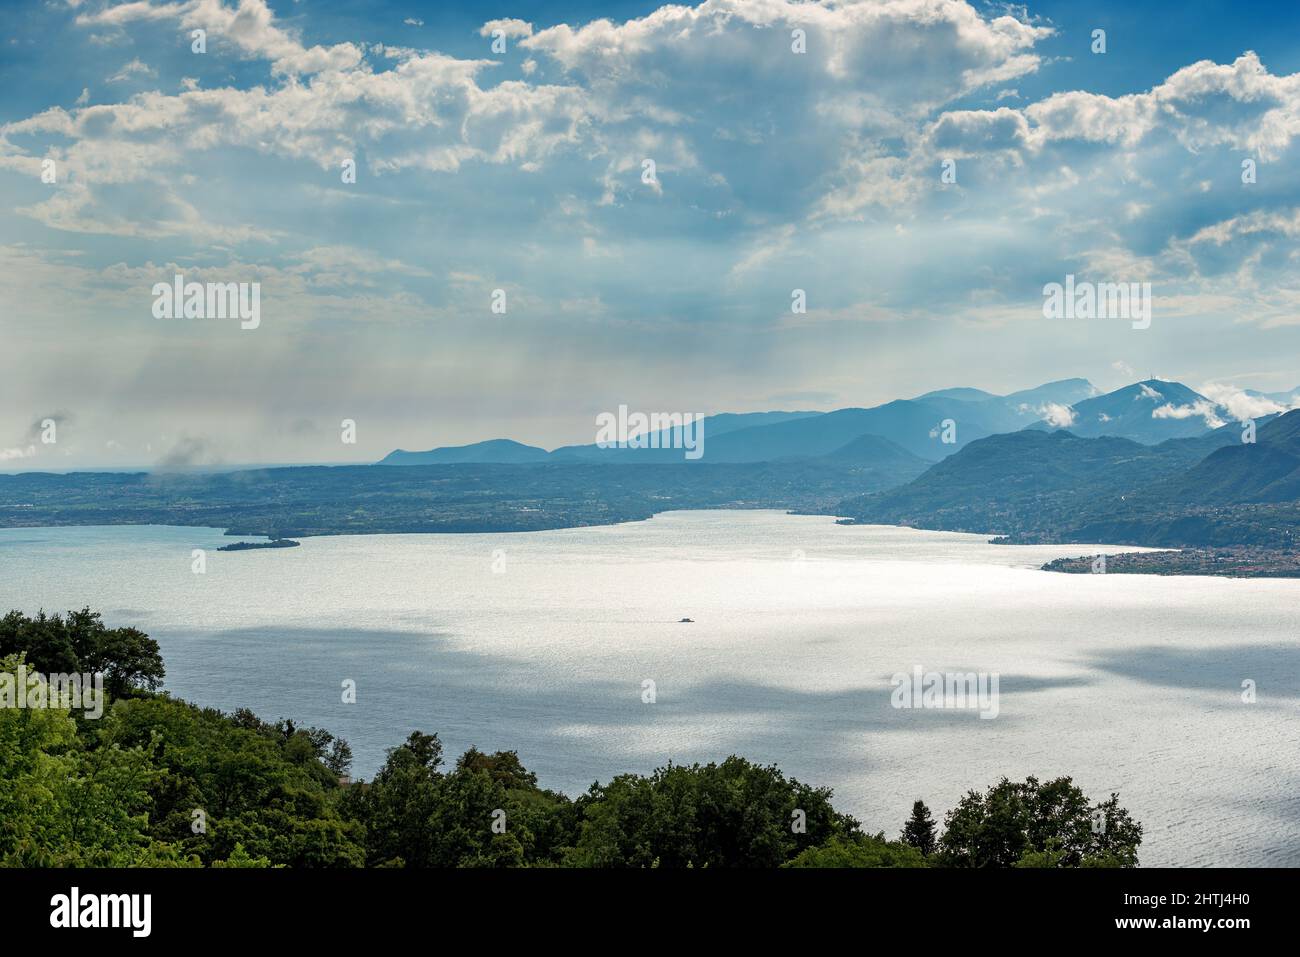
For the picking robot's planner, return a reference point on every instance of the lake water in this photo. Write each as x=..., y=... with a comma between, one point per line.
x=542, y=643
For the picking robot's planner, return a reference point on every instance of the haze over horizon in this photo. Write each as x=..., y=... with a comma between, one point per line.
x=522, y=170
x=1226, y=405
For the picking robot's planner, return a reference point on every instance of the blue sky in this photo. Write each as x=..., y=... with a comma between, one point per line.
x=522, y=171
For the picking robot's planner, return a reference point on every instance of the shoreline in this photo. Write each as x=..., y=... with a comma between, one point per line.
x=1228, y=561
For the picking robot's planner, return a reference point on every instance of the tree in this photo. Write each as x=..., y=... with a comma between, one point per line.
x=862, y=851
x=222, y=781
x=919, y=829
x=1050, y=824
x=733, y=814
x=44, y=642
x=63, y=804
x=395, y=808
x=128, y=658
x=339, y=759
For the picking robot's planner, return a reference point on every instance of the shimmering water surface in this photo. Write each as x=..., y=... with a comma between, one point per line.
x=542, y=643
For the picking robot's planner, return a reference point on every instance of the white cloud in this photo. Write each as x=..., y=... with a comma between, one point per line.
x=1283, y=222
x=1202, y=408
x=249, y=26
x=509, y=28
x=1239, y=404
x=129, y=70
x=1195, y=104
x=1056, y=415
x=349, y=265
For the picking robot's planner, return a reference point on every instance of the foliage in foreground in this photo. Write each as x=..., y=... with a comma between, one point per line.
x=161, y=782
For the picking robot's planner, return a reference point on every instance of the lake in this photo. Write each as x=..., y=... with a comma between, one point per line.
x=545, y=642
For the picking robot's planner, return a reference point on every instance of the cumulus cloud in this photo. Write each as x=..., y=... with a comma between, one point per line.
x=1241, y=405
x=864, y=104
x=1056, y=415
x=1201, y=408
x=723, y=77
x=872, y=49
x=509, y=28
x=1238, y=105
x=428, y=113
x=250, y=27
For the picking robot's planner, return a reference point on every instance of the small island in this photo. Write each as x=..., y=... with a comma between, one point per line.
x=245, y=546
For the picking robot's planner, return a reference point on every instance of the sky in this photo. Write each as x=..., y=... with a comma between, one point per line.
x=500, y=156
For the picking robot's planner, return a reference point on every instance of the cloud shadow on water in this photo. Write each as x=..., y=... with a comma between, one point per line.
x=570, y=730
x=1274, y=668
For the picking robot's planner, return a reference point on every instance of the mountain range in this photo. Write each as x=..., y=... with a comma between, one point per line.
x=1152, y=463
x=1214, y=489
x=916, y=426
x=1032, y=481
x=929, y=427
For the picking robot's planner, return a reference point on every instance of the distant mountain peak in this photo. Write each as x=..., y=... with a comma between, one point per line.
x=502, y=451
x=1149, y=411
x=960, y=393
